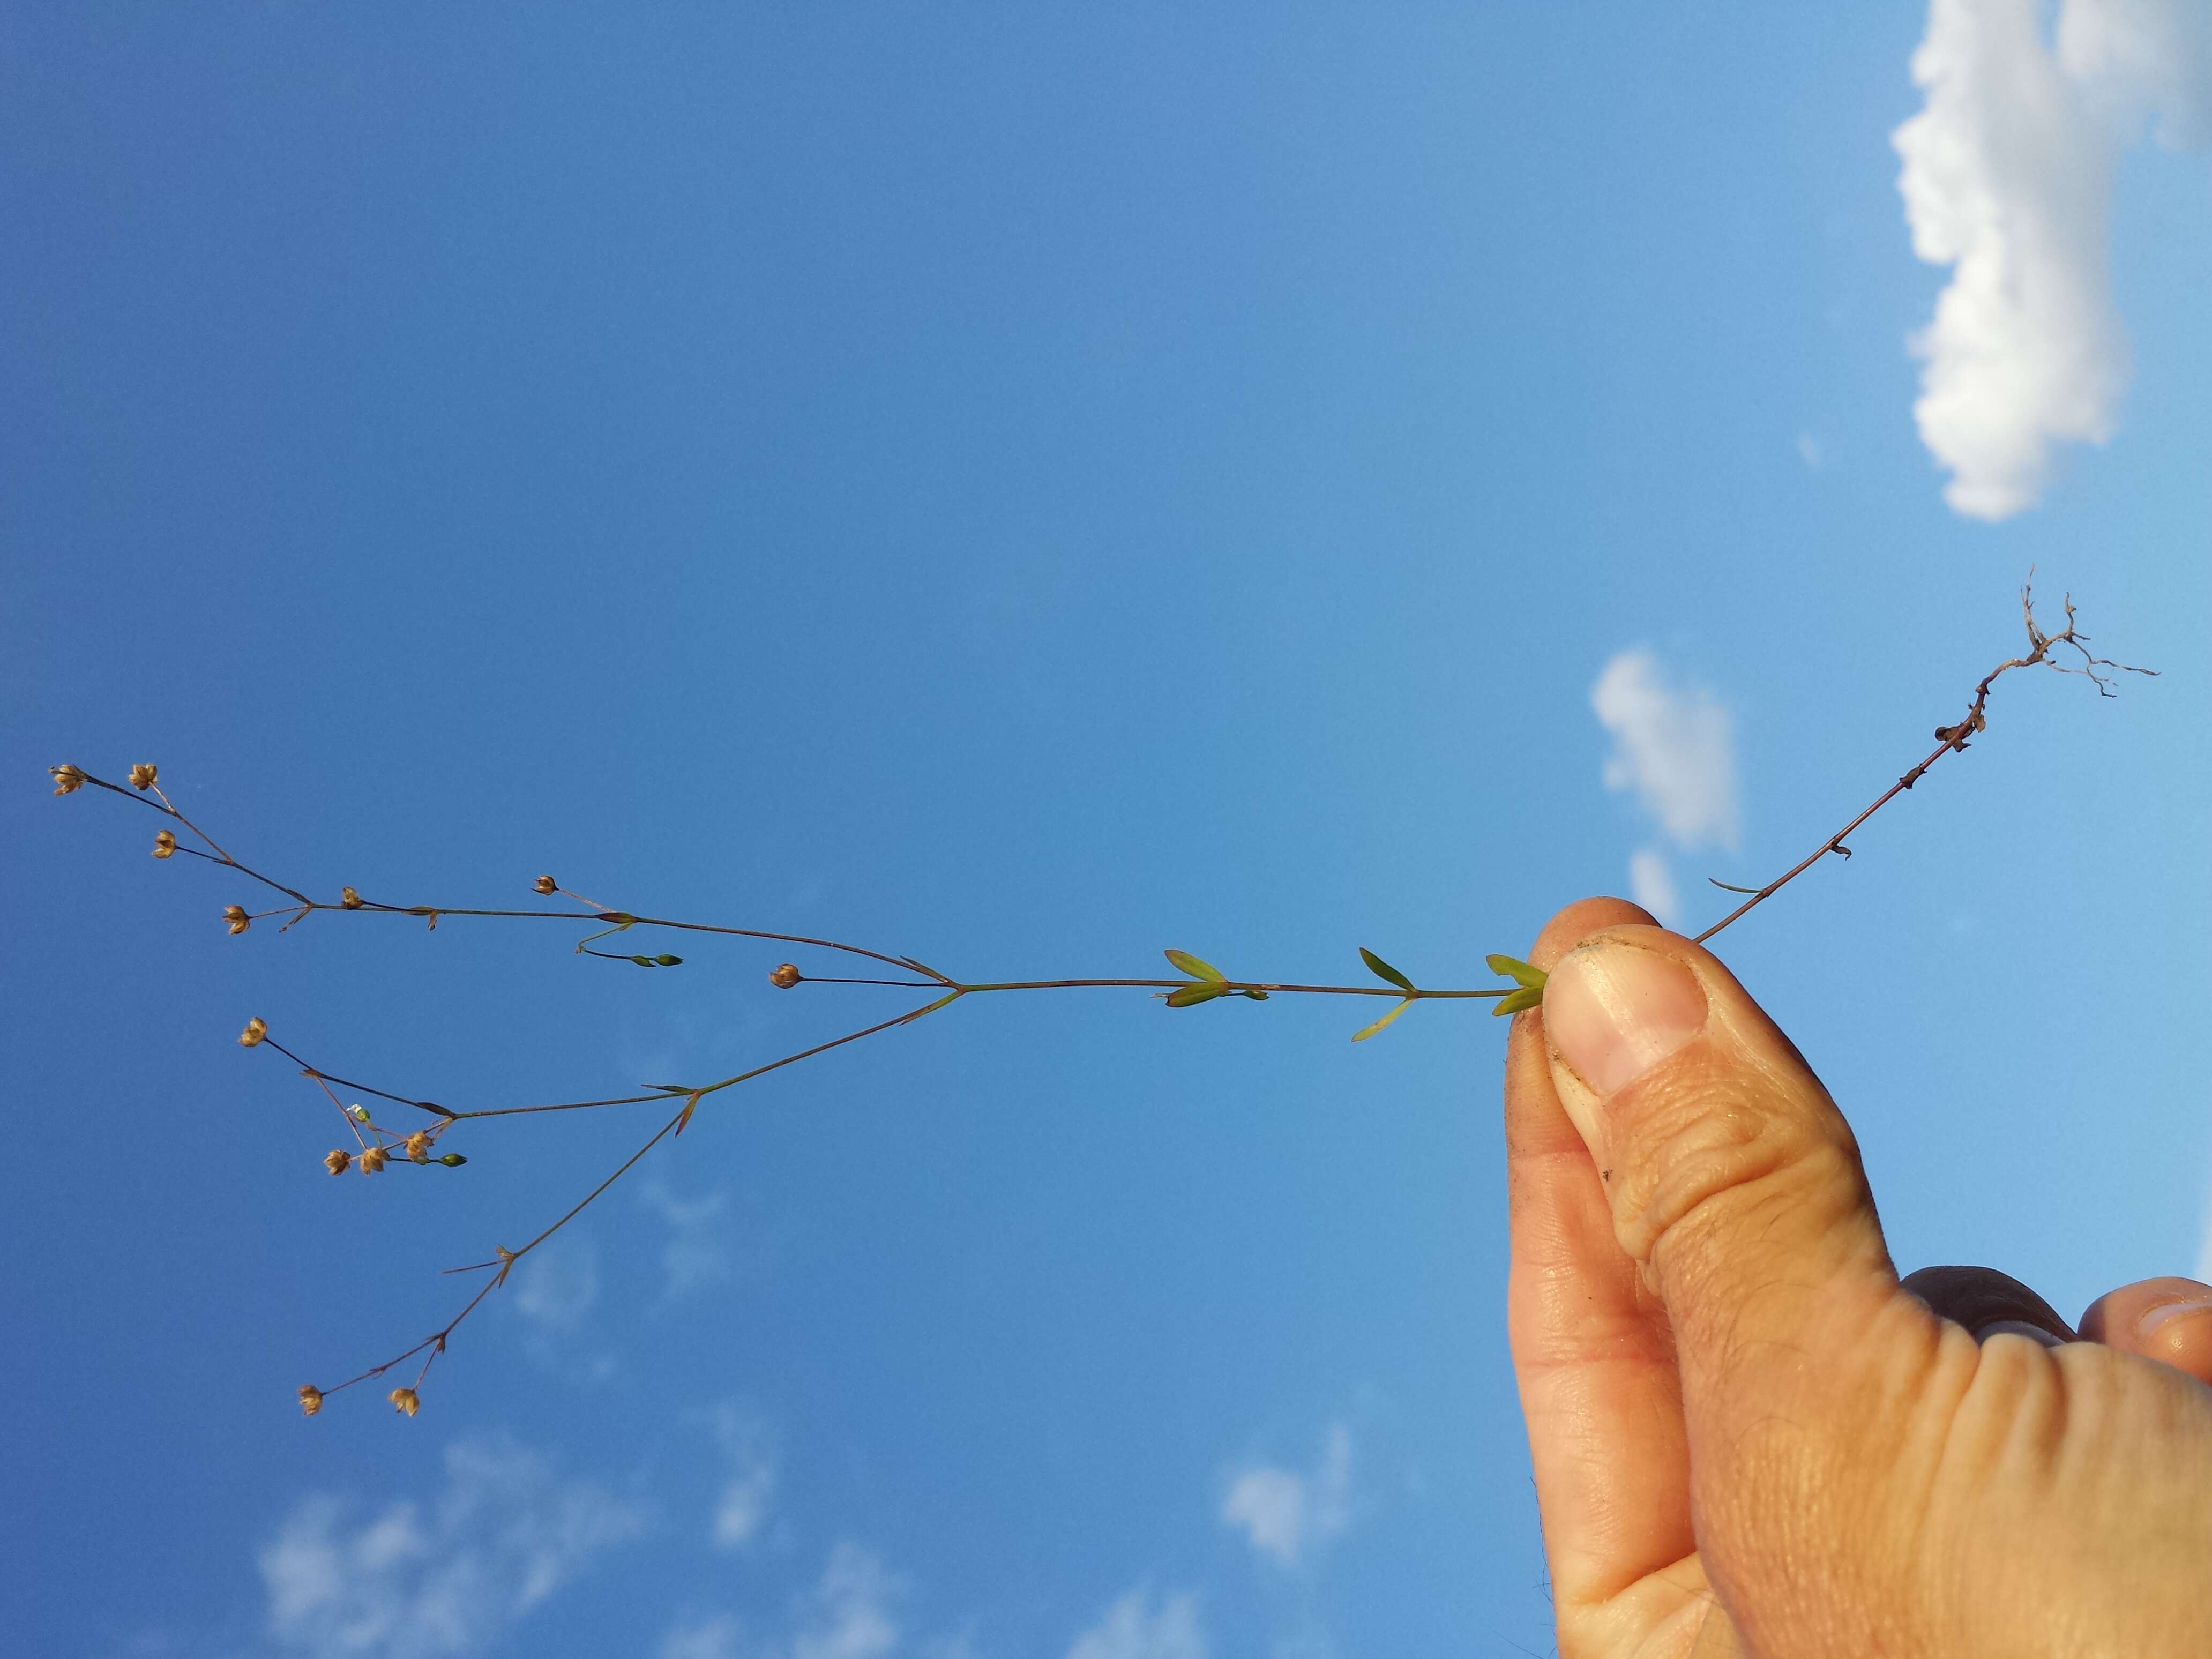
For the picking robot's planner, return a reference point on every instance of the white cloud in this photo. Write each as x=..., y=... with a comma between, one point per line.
x=1287, y=1516
x=558, y=1283
x=847, y=1615
x=1134, y=1628
x=697, y=1253
x=430, y=1581
x=742, y=1509
x=1812, y=451
x=1673, y=746
x=1651, y=884
x=2007, y=178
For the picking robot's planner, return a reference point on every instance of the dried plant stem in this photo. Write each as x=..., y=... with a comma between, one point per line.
x=1952, y=739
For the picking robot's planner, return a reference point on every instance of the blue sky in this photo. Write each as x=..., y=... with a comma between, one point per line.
x=1029, y=490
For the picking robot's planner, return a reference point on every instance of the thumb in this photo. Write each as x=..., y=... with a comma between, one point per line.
x=1733, y=1181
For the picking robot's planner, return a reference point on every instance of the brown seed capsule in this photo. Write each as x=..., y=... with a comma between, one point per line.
x=236, y=916
x=374, y=1158
x=339, y=1162
x=66, y=779
x=404, y=1400
x=310, y=1399
x=256, y=1029
x=545, y=884
x=784, y=975
x=347, y=899
x=164, y=844
x=142, y=777
x=418, y=1146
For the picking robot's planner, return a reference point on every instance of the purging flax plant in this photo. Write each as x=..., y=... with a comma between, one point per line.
x=418, y=1142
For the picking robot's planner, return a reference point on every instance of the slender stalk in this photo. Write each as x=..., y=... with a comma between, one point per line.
x=1203, y=979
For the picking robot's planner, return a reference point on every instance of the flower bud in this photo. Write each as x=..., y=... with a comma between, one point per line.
x=545, y=885
x=142, y=777
x=357, y=1112
x=310, y=1399
x=256, y=1029
x=405, y=1400
x=67, y=779
x=347, y=899
x=452, y=1160
x=784, y=975
x=374, y=1158
x=236, y=916
x=165, y=843
x=339, y=1162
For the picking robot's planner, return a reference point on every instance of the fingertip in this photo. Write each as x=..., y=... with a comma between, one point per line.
x=2168, y=1319
x=1570, y=926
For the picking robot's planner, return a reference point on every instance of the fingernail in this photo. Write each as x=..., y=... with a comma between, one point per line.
x=2019, y=1327
x=1614, y=1011
x=2167, y=1312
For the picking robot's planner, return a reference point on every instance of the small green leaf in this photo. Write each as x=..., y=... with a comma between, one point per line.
x=1257, y=996
x=645, y=961
x=1384, y=970
x=1184, y=996
x=671, y=1088
x=1528, y=996
x=1367, y=1031
x=1517, y=970
x=1184, y=963
x=669, y=962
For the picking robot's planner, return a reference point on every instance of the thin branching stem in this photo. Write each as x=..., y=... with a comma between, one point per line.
x=1952, y=739
x=1204, y=982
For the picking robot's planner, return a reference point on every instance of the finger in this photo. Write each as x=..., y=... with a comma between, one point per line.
x=1591, y=1350
x=2168, y=1320
x=1736, y=1185
x=1989, y=1302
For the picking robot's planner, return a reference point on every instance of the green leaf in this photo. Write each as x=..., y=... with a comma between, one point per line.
x=1528, y=996
x=1517, y=970
x=1384, y=970
x=1367, y=1031
x=1184, y=996
x=1257, y=996
x=669, y=962
x=645, y=961
x=1184, y=963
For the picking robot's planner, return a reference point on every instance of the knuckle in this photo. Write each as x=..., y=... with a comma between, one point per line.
x=1711, y=1161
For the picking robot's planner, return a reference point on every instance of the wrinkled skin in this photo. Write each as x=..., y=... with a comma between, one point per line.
x=1750, y=1437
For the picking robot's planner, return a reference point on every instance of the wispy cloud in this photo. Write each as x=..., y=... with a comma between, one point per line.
x=1287, y=1516
x=698, y=1254
x=1674, y=749
x=1651, y=884
x=1138, y=1627
x=847, y=1615
x=2007, y=178
x=559, y=1283
x=741, y=1510
x=439, y=1579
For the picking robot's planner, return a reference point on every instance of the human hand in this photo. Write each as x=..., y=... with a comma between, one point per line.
x=1749, y=1436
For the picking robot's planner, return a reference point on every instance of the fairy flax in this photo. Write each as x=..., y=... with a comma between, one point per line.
x=2066, y=650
